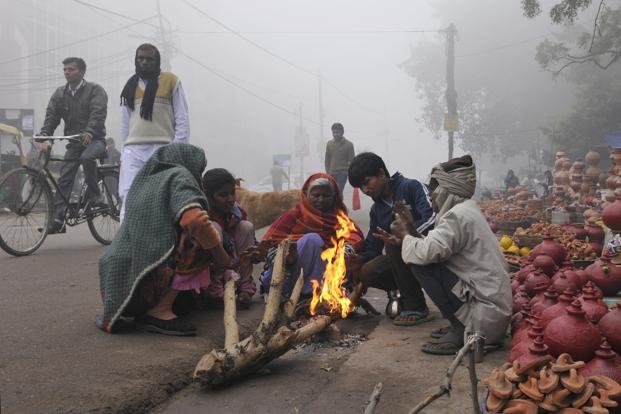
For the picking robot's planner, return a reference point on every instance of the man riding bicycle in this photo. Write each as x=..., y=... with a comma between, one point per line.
x=83, y=107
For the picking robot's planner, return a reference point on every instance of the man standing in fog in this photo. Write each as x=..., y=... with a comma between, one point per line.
x=339, y=153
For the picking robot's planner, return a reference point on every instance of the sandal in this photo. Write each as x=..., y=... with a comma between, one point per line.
x=412, y=318
x=440, y=332
x=173, y=327
x=448, y=344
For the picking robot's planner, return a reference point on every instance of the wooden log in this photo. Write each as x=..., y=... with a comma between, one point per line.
x=295, y=297
x=374, y=399
x=231, y=330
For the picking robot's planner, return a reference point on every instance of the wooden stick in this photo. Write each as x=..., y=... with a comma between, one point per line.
x=374, y=399
x=450, y=372
x=295, y=296
x=273, y=299
x=231, y=330
x=473, y=382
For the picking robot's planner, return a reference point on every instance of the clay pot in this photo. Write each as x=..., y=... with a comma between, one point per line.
x=519, y=300
x=523, y=195
x=593, y=173
x=593, y=307
x=595, y=232
x=573, y=334
x=571, y=274
x=606, y=276
x=611, y=182
x=597, y=247
x=518, y=321
x=585, y=186
x=515, y=285
x=536, y=350
x=582, y=275
x=519, y=334
x=550, y=298
x=590, y=288
x=602, y=179
x=558, y=309
x=612, y=215
x=544, y=263
x=604, y=363
x=520, y=347
x=592, y=157
x=521, y=274
x=551, y=248
x=610, y=327
x=536, y=282
x=560, y=154
x=578, y=231
x=562, y=282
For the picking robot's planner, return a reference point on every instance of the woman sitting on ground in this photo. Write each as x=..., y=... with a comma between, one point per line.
x=237, y=237
x=311, y=224
x=165, y=245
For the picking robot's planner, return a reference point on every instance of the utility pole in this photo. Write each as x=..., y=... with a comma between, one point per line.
x=163, y=35
x=451, y=122
x=321, y=147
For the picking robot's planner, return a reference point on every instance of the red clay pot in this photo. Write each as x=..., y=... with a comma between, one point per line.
x=606, y=276
x=612, y=215
x=519, y=319
x=515, y=285
x=604, y=363
x=536, y=282
x=572, y=333
x=550, y=298
x=521, y=274
x=521, y=347
x=610, y=327
x=590, y=288
x=597, y=247
x=562, y=282
x=545, y=263
x=551, y=248
x=595, y=232
x=558, y=309
x=578, y=231
x=519, y=300
x=594, y=307
x=536, y=350
x=582, y=275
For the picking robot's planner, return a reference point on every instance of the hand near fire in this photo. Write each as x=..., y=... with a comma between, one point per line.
x=404, y=216
x=258, y=252
x=389, y=239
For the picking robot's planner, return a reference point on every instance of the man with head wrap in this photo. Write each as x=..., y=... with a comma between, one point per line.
x=458, y=264
x=154, y=112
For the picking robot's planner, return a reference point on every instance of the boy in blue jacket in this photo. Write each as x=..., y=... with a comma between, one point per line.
x=387, y=271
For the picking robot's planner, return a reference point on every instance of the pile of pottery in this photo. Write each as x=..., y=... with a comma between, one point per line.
x=543, y=384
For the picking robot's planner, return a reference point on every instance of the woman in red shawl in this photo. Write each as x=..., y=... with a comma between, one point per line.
x=311, y=224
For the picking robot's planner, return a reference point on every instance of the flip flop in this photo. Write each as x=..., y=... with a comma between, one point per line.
x=173, y=327
x=449, y=344
x=412, y=318
x=440, y=332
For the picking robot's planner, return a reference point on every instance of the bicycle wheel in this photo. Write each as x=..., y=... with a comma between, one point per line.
x=104, y=224
x=25, y=211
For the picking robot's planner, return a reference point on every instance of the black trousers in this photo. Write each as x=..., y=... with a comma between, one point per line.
x=389, y=272
x=85, y=156
x=438, y=281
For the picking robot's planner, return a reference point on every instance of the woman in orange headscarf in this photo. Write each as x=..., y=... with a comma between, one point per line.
x=311, y=224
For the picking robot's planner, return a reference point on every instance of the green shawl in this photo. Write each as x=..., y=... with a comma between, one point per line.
x=167, y=186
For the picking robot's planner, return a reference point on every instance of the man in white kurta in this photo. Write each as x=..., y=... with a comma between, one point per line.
x=459, y=263
x=154, y=112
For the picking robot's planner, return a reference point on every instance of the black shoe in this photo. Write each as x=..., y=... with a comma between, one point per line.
x=96, y=202
x=57, y=227
x=174, y=327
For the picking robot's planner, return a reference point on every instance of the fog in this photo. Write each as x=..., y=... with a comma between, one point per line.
x=245, y=79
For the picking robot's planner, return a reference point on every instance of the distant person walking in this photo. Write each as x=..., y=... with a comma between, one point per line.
x=511, y=180
x=278, y=173
x=154, y=112
x=83, y=107
x=339, y=153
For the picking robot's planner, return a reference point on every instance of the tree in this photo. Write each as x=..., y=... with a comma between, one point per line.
x=601, y=45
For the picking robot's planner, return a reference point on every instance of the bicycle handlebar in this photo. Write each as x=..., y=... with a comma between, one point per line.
x=75, y=137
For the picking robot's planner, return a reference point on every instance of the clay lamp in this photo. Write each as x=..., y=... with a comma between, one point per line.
x=536, y=282
x=522, y=347
x=572, y=333
x=494, y=404
x=611, y=386
x=562, y=282
x=595, y=407
x=594, y=308
x=584, y=396
x=610, y=327
x=499, y=385
x=511, y=373
x=561, y=398
x=604, y=363
x=517, y=394
x=547, y=404
x=558, y=309
x=573, y=381
x=545, y=263
x=565, y=363
x=570, y=410
x=548, y=380
x=605, y=400
x=550, y=298
x=521, y=407
x=531, y=389
x=533, y=365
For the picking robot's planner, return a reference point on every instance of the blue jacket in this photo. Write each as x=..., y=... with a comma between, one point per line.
x=411, y=192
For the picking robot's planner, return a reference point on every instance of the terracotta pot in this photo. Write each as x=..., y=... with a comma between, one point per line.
x=585, y=187
x=606, y=276
x=518, y=348
x=597, y=247
x=611, y=182
x=572, y=333
x=536, y=350
x=536, y=282
x=592, y=157
x=610, y=327
x=515, y=285
x=562, y=282
x=560, y=154
x=519, y=319
x=544, y=263
x=582, y=275
x=550, y=298
x=602, y=179
x=558, y=309
x=521, y=274
x=578, y=231
x=612, y=215
x=594, y=307
x=595, y=232
x=590, y=288
x=571, y=274
x=604, y=363
x=519, y=334
x=551, y=248
x=519, y=300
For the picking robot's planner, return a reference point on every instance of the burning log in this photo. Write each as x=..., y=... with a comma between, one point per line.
x=266, y=343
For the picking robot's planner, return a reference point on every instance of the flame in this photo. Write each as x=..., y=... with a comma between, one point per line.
x=331, y=292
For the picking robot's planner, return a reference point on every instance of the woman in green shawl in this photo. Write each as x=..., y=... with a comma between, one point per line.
x=165, y=244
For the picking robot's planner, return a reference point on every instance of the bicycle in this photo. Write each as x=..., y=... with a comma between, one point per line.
x=27, y=203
